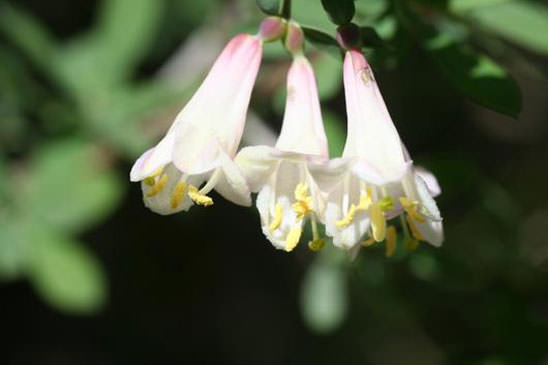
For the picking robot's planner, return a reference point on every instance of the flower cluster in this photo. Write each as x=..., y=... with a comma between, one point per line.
x=356, y=197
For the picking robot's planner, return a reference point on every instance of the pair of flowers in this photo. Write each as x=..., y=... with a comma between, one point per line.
x=354, y=196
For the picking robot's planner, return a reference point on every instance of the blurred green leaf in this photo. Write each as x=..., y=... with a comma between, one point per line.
x=28, y=34
x=66, y=274
x=328, y=71
x=522, y=22
x=475, y=75
x=270, y=7
x=125, y=31
x=318, y=37
x=479, y=78
x=424, y=265
x=119, y=118
x=339, y=11
x=90, y=66
x=322, y=40
x=70, y=186
x=368, y=10
x=335, y=131
x=13, y=251
x=324, y=296
x=370, y=37
x=303, y=13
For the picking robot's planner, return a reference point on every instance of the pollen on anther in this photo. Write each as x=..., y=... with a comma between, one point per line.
x=278, y=215
x=158, y=186
x=293, y=238
x=390, y=241
x=200, y=199
x=178, y=194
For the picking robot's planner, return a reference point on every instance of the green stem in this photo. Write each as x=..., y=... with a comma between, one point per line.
x=286, y=9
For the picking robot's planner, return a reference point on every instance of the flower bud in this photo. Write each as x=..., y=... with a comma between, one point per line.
x=348, y=36
x=294, y=38
x=272, y=28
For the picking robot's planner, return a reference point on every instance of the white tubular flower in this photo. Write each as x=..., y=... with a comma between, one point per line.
x=203, y=140
x=287, y=192
x=375, y=180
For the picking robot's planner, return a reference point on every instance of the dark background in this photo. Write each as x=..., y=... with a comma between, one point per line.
x=206, y=286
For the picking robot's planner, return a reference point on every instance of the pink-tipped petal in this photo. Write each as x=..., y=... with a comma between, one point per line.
x=371, y=132
x=216, y=114
x=302, y=127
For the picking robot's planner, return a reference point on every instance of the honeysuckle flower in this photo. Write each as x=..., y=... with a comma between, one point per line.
x=203, y=140
x=287, y=191
x=375, y=180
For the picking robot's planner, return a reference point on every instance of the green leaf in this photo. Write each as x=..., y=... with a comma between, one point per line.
x=522, y=22
x=324, y=296
x=13, y=249
x=475, y=75
x=303, y=13
x=125, y=31
x=319, y=37
x=340, y=11
x=70, y=186
x=479, y=78
x=28, y=34
x=370, y=37
x=335, y=131
x=65, y=274
x=270, y=7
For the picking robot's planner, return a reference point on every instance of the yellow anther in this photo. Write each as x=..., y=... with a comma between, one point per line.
x=157, y=187
x=199, y=198
x=316, y=245
x=301, y=191
x=413, y=227
x=378, y=223
x=150, y=181
x=293, y=238
x=348, y=218
x=365, y=200
x=390, y=241
x=278, y=215
x=178, y=194
x=411, y=244
x=369, y=242
x=303, y=201
x=363, y=205
x=386, y=203
x=411, y=209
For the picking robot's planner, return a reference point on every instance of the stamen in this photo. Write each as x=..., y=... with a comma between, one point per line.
x=348, y=218
x=316, y=245
x=378, y=223
x=411, y=243
x=303, y=201
x=178, y=194
x=317, y=242
x=158, y=186
x=211, y=182
x=411, y=209
x=390, y=241
x=149, y=181
x=278, y=215
x=414, y=231
x=386, y=203
x=292, y=238
x=198, y=197
x=363, y=205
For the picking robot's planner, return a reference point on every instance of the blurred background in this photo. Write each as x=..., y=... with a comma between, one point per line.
x=90, y=276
